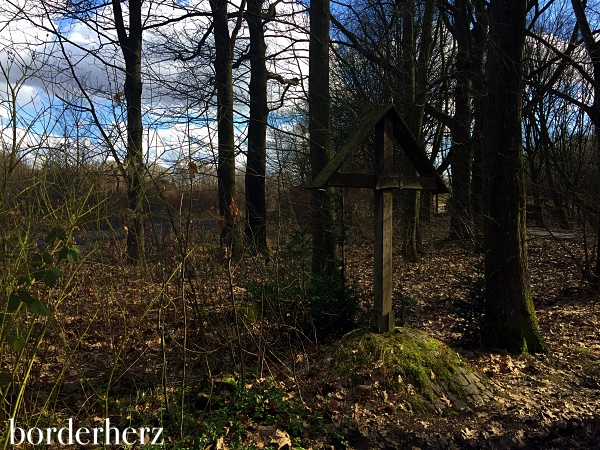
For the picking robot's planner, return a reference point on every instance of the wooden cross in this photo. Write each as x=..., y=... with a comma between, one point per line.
x=388, y=126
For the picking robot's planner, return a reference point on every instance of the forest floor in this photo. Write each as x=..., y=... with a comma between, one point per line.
x=547, y=401
x=116, y=349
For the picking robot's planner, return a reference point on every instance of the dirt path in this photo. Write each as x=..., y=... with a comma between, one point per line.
x=559, y=235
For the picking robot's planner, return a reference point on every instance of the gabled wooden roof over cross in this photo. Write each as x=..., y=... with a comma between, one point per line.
x=428, y=178
x=389, y=127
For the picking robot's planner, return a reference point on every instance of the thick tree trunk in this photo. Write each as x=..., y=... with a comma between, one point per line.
x=131, y=46
x=256, y=208
x=226, y=152
x=510, y=320
x=320, y=134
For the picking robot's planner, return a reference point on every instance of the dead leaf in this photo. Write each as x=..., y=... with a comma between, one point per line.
x=446, y=401
x=281, y=438
x=117, y=98
x=193, y=169
x=333, y=405
x=469, y=434
x=221, y=444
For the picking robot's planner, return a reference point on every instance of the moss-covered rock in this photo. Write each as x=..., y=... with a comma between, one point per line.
x=410, y=367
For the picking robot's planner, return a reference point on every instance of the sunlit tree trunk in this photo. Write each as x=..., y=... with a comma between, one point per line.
x=131, y=46
x=226, y=152
x=256, y=209
x=320, y=134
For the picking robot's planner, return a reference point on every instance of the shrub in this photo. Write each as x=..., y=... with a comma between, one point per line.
x=470, y=309
x=318, y=306
x=405, y=306
x=334, y=308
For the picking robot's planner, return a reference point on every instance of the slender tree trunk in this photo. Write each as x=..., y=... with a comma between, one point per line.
x=226, y=152
x=256, y=208
x=421, y=84
x=479, y=34
x=409, y=200
x=320, y=134
x=563, y=220
x=427, y=198
x=460, y=206
x=538, y=209
x=510, y=320
x=131, y=46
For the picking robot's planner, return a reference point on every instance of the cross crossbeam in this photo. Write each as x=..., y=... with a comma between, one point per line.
x=389, y=127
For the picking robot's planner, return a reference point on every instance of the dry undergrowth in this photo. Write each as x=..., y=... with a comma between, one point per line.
x=120, y=335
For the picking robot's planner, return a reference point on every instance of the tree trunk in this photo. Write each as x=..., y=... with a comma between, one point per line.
x=510, y=321
x=131, y=46
x=479, y=34
x=421, y=84
x=226, y=152
x=409, y=199
x=460, y=206
x=320, y=135
x=256, y=208
x=563, y=220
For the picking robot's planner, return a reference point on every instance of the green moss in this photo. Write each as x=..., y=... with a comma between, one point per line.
x=589, y=363
x=246, y=313
x=407, y=362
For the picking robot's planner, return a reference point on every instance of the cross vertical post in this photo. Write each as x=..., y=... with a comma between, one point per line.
x=383, y=318
x=389, y=127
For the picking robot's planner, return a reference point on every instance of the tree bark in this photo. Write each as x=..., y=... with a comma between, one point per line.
x=479, y=35
x=320, y=135
x=256, y=208
x=226, y=151
x=421, y=84
x=460, y=206
x=510, y=320
x=413, y=115
x=131, y=46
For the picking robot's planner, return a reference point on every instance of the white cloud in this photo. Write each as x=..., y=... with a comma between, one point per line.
x=89, y=45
